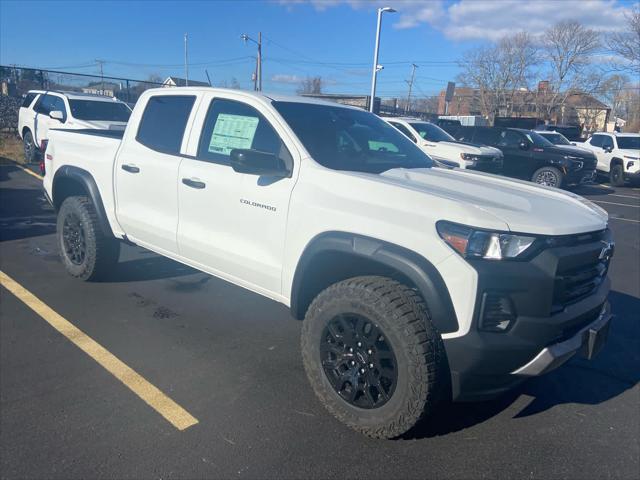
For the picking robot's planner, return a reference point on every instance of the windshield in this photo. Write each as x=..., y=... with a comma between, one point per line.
x=99, y=110
x=349, y=139
x=556, y=138
x=628, y=143
x=538, y=140
x=431, y=132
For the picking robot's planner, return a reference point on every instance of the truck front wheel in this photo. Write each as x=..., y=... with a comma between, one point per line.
x=86, y=252
x=372, y=355
x=616, y=175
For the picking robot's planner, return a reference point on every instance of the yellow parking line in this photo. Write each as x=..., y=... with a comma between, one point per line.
x=170, y=410
x=25, y=169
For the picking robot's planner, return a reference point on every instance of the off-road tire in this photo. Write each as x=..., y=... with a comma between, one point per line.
x=616, y=175
x=101, y=251
x=29, y=147
x=401, y=315
x=549, y=176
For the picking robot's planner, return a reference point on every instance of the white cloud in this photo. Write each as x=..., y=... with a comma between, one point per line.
x=490, y=19
x=284, y=78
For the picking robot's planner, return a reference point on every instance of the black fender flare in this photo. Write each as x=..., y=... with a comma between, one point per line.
x=422, y=273
x=88, y=183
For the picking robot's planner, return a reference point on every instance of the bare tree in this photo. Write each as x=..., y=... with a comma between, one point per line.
x=310, y=85
x=611, y=91
x=626, y=43
x=500, y=72
x=568, y=47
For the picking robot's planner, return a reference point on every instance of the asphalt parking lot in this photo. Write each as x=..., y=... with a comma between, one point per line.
x=231, y=359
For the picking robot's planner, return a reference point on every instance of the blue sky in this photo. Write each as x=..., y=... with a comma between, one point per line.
x=331, y=38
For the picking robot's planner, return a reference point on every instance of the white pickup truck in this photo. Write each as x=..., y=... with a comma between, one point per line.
x=445, y=149
x=618, y=155
x=415, y=285
x=43, y=110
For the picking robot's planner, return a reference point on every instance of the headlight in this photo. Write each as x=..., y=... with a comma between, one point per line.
x=469, y=157
x=471, y=243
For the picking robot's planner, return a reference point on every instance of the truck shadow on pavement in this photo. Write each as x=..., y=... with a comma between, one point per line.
x=580, y=382
x=153, y=267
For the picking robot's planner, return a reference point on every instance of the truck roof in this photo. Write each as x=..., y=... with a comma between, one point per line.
x=270, y=97
x=79, y=95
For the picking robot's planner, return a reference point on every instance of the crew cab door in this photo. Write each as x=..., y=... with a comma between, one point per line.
x=146, y=172
x=42, y=122
x=517, y=154
x=233, y=224
x=602, y=146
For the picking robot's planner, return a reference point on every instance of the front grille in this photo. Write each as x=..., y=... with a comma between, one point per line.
x=580, y=275
x=579, y=283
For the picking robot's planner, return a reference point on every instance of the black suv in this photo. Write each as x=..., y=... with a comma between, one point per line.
x=529, y=156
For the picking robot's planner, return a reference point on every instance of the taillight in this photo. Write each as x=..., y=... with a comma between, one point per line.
x=43, y=145
x=42, y=169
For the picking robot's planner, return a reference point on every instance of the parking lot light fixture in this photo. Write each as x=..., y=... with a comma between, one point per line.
x=377, y=67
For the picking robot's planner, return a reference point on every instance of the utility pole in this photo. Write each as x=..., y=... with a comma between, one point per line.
x=257, y=79
x=259, y=61
x=186, y=61
x=100, y=64
x=410, y=82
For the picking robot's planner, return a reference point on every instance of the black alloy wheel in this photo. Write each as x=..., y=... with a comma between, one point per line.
x=358, y=361
x=74, y=239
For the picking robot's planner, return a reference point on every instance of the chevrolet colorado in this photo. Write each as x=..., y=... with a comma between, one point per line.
x=416, y=285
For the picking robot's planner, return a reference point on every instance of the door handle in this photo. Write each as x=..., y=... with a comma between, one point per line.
x=190, y=182
x=130, y=168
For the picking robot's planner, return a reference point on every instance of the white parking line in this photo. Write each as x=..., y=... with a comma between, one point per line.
x=612, y=203
x=624, y=219
x=624, y=196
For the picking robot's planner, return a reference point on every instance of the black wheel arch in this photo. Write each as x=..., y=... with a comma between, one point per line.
x=616, y=161
x=335, y=256
x=69, y=181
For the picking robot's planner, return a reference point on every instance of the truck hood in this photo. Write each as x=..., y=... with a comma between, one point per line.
x=570, y=150
x=629, y=152
x=475, y=148
x=523, y=206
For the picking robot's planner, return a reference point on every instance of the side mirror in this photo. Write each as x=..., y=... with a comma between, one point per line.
x=524, y=145
x=255, y=162
x=57, y=115
x=607, y=149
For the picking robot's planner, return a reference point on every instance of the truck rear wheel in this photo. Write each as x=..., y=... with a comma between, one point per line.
x=29, y=146
x=372, y=355
x=86, y=252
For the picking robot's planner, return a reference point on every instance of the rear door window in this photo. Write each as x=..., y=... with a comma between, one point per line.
x=509, y=139
x=28, y=99
x=486, y=136
x=404, y=130
x=164, y=121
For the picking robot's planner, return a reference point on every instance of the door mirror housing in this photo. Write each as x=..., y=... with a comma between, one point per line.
x=255, y=162
x=56, y=115
x=523, y=145
x=608, y=149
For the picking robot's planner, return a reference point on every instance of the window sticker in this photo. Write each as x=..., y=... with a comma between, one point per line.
x=382, y=146
x=232, y=131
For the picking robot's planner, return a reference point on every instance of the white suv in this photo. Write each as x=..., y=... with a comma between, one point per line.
x=42, y=110
x=445, y=149
x=618, y=155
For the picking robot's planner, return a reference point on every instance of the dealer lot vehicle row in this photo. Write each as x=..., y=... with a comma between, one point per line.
x=231, y=358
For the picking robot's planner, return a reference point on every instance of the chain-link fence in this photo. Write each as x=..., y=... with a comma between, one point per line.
x=15, y=82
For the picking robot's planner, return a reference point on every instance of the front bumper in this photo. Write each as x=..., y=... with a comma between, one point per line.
x=589, y=340
x=557, y=297
x=581, y=176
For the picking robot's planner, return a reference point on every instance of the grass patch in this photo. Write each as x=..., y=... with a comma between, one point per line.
x=11, y=148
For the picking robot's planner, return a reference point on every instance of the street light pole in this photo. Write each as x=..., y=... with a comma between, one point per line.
x=186, y=61
x=377, y=67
